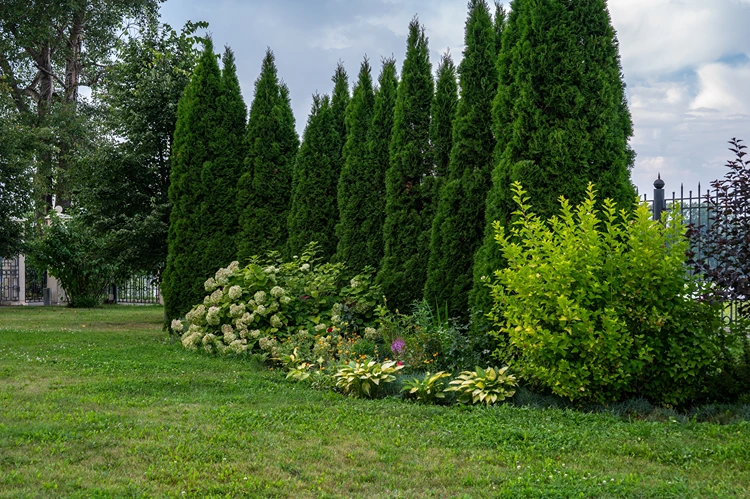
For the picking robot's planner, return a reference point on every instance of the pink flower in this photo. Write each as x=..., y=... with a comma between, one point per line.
x=398, y=346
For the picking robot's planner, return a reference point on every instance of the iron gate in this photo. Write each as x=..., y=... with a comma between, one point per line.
x=10, y=287
x=36, y=281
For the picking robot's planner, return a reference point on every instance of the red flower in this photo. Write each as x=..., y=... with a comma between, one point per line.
x=329, y=329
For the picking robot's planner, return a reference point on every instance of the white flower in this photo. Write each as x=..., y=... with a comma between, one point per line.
x=321, y=327
x=371, y=333
x=212, y=317
x=210, y=284
x=191, y=340
x=236, y=310
x=255, y=333
x=197, y=315
x=243, y=332
x=222, y=277
x=207, y=301
x=235, y=292
x=195, y=328
x=177, y=326
x=335, y=319
x=260, y=297
x=305, y=267
x=216, y=296
x=354, y=283
x=266, y=343
x=276, y=321
x=237, y=346
x=277, y=291
x=209, y=339
x=270, y=270
x=285, y=300
x=361, y=307
x=229, y=335
x=261, y=310
x=235, y=265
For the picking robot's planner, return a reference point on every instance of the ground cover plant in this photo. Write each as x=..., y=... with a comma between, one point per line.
x=99, y=403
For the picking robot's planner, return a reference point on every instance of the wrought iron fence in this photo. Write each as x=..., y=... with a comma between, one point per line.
x=136, y=290
x=36, y=282
x=10, y=280
x=694, y=209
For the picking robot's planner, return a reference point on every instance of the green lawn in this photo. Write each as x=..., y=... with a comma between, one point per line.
x=97, y=403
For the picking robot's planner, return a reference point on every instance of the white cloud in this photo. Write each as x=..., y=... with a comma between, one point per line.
x=723, y=88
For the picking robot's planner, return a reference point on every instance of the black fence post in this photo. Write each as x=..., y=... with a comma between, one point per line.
x=659, y=203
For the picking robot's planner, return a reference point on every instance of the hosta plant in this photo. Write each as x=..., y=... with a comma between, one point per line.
x=365, y=379
x=428, y=389
x=483, y=385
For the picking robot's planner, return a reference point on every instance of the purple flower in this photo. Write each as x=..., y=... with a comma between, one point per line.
x=398, y=346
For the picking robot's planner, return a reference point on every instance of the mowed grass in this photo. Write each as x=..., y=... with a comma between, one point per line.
x=99, y=403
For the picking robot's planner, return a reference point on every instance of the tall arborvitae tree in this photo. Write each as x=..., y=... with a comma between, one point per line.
x=352, y=210
x=560, y=117
x=443, y=115
x=314, y=208
x=198, y=120
x=219, y=225
x=499, y=25
x=265, y=187
x=459, y=221
x=339, y=103
x=406, y=231
x=372, y=181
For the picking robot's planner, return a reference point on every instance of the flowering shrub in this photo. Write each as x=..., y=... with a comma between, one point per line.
x=276, y=306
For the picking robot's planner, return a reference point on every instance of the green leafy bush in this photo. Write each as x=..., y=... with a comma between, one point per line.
x=428, y=389
x=483, y=385
x=596, y=305
x=77, y=257
x=365, y=379
x=278, y=306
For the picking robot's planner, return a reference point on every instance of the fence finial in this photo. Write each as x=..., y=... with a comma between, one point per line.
x=659, y=183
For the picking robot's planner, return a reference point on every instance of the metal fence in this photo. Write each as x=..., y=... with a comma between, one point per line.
x=139, y=289
x=36, y=282
x=694, y=207
x=10, y=280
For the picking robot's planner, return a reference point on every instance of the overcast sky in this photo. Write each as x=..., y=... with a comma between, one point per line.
x=686, y=63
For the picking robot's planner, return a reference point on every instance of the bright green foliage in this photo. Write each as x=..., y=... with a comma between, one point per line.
x=428, y=389
x=122, y=185
x=486, y=386
x=408, y=211
x=598, y=305
x=71, y=251
x=197, y=122
x=220, y=175
x=459, y=221
x=358, y=121
x=314, y=208
x=264, y=190
x=443, y=115
x=14, y=180
x=366, y=379
x=560, y=117
x=339, y=103
x=362, y=185
x=499, y=25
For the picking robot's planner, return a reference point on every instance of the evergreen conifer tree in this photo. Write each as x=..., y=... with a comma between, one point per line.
x=459, y=221
x=219, y=220
x=314, y=208
x=443, y=115
x=264, y=190
x=339, y=103
x=353, y=211
x=499, y=25
x=560, y=117
x=197, y=122
x=408, y=202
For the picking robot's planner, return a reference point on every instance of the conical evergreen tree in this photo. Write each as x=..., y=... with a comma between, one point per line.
x=339, y=103
x=459, y=221
x=353, y=211
x=219, y=225
x=560, y=117
x=265, y=188
x=499, y=25
x=197, y=122
x=443, y=115
x=314, y=208
x=408, y=203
